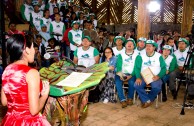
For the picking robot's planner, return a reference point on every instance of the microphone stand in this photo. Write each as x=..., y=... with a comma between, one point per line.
x=188, y=80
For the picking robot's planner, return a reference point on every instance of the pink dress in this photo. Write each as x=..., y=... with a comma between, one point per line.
x=16, y=90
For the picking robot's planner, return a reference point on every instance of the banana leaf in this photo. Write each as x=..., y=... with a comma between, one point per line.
x=60, y=70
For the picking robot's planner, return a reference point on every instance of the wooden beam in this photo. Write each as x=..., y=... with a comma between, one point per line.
x=176, y=3
x=94, y=5
x=132, y=12
x=108, y=11
x=105, y=4
x=143, y=25
x=119, y=11
x=187, y=17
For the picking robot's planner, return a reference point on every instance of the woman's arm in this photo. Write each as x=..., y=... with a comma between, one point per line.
x=3, y=98
x=96, y=58
x=36, y=102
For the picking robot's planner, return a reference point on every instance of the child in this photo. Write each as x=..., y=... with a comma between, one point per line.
x=52, y=52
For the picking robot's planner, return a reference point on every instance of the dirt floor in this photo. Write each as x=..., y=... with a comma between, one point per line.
x=167, y=114
x=111, y=114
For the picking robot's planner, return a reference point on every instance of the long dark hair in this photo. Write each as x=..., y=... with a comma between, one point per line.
x=15, y=46
x=103, y=56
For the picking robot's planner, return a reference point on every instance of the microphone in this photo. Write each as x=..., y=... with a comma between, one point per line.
x=48, y=56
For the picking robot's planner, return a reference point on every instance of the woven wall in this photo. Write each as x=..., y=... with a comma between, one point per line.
x=125, y=11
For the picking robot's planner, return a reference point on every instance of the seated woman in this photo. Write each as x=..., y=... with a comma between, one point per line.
x=22, y=91
x=86, y=55
x=107, y=85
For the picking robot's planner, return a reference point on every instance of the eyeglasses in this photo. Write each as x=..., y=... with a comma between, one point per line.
x=108, y=52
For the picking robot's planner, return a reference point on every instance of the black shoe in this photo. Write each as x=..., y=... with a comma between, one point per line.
x=164, y=98
x=190, y=97
x=174, y=94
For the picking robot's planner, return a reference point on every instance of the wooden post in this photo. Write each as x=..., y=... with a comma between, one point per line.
x=143, y=25
x=162, y=12
x=2, y=38
x=187, y=17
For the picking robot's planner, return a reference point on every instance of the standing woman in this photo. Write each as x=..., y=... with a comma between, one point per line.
x=107, y=85
x=22, y=91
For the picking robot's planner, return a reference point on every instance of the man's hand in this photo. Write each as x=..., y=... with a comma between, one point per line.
x=138, y=81
x=155, y=78
x=167, y=72
x=111, y=67
x=127, y=78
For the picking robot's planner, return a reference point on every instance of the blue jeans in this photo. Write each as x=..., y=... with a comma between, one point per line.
x=165, y=78
x=71, y=54
x=67, y=51
x=119, y=87
x=144, y=97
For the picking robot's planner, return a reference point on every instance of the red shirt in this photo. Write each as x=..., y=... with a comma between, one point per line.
x=10, y=33
x=65, y=37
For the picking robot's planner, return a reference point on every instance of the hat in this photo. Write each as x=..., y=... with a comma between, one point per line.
x=131, y=40
x=152, y=42
x=86, y=8
x=74, y=22
x=43, y=25
x=167, y=47
x=88, y=37
x=92, y=14
x=183, y=40
x=141, y=39
x=81, y=12
x=70, y=1
x=35, y=3
x=119, y=37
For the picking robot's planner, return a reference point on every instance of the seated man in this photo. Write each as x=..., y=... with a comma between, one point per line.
x=180, y=55
x=86, y=55
x=156, y=63
x=126, y=72
x=170, y=67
